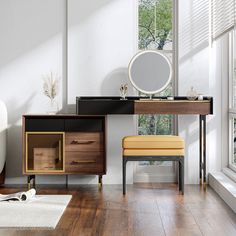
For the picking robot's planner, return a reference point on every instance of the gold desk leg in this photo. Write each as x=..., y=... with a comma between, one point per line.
x=34, y=183
x=200, y=182
x=28, y=182
x=29, y=178
x=100, y=182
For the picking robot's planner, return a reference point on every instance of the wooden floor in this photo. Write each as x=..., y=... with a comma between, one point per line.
x=150, y=210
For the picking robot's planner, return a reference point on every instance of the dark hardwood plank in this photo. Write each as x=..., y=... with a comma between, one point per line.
x=147, y=209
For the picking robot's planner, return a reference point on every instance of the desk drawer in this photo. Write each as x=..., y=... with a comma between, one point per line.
x=84, y=125
x=84, y=162
x=84, y=142
x=44, y=125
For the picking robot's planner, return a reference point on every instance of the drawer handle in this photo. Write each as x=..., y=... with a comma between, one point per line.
x=82, y=141
x=79, y=162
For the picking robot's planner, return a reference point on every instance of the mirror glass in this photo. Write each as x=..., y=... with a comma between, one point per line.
x=150, y=72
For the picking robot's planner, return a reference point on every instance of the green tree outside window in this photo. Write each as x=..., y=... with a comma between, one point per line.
x=155, y=33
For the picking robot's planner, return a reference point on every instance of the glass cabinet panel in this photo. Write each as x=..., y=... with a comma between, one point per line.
x=44, y=151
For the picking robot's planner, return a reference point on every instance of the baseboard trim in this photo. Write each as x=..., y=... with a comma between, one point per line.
x=231, y=174
x=149, y=178
x=224, y=187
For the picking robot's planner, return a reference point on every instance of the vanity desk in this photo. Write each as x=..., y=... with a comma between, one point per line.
x=157, y=105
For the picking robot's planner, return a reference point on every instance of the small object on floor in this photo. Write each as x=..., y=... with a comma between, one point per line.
x=19, y=196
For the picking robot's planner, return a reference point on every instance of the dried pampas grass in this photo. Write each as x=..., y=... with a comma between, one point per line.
x=51, y=85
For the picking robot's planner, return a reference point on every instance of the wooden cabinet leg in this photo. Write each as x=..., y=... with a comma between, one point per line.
x=29, y=178
x=100, y=182
x=66, y=181
x=34, y=182
x=28, y=182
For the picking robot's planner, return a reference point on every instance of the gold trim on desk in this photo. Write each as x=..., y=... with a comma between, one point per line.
x=27, y=171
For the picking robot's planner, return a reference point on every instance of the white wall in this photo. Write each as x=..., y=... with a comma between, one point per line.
x=101, y=41
x=199, y=68
x=30, y=46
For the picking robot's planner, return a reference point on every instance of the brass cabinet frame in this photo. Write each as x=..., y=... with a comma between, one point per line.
x=61, y=155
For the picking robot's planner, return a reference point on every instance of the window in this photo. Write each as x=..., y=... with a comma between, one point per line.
x=156, y=23
x=155, y=29
x=232, y=103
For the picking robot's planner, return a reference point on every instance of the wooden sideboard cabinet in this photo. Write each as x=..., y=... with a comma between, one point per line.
x=64, y=145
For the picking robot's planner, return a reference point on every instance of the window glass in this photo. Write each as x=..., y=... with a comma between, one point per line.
x=234, y=73
x=155, y=24
x=232, y=105
x=233, y=157
x=155, y=33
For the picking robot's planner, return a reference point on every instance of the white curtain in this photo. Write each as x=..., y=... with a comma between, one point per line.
x=222, y=17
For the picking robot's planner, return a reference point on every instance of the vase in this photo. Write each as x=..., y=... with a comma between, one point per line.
x=53, y=107
x=192, y=94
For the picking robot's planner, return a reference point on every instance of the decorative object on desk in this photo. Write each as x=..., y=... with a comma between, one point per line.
x=192, y=94
x=170, y=98
x=3, y=140
x=51, y=90
x=200, y=97
x=123, y=91
x=150, y=72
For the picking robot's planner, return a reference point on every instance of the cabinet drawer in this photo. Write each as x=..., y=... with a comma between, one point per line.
x=42, y=125
x=84, y=162
x=84, y=142
x=84, y=125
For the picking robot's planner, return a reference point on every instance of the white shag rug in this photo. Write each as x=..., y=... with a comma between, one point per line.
x=44, y=211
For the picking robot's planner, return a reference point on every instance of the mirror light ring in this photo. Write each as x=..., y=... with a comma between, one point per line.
x=133, y=60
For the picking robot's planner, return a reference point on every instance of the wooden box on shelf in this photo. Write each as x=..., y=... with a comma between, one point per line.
x=45, y=158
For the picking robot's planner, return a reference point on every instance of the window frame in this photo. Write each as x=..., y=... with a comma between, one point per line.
x=231, y=141
x=173, y=51
x=163, y=170
x=231, y=108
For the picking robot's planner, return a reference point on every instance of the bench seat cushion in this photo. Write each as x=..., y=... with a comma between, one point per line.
x=153, y=142
x=153, y=152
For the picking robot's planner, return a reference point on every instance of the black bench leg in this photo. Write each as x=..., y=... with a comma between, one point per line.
x=181, y=175
x=124, y=175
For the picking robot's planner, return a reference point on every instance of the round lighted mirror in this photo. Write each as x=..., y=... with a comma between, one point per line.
x=150, y=72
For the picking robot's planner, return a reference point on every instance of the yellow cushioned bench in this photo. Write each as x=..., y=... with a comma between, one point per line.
x=154, y=148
